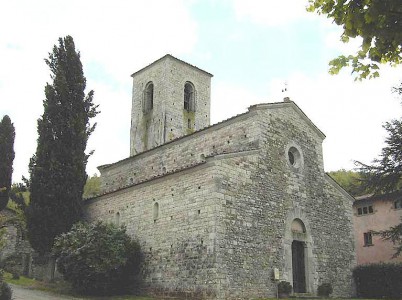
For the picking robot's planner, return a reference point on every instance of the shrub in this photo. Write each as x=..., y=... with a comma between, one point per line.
x=284, y=287
x=97, y=258
x=12, y=264
x=324, y=290
x=5, y=291
x=378, y=280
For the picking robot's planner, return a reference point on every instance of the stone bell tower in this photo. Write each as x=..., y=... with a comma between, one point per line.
x=171, y=98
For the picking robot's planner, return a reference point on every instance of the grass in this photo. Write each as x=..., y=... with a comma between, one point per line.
x=22, y=281
x=61, y=287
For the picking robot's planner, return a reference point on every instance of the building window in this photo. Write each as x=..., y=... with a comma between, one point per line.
x=294, y=157
x=148, y=99
x=189, y=97
x=368, y=239
x=156, y=211
x=364, y=210
x=117, y=219
x=398, y=204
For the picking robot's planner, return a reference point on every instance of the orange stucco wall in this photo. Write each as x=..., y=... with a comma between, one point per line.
x=383, y=217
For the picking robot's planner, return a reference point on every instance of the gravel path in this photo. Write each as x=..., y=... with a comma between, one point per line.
x=21, y=293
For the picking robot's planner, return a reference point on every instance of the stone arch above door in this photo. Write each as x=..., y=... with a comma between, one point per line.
x=298, y=229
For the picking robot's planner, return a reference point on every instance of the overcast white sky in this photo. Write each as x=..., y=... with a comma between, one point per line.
x=251, y=46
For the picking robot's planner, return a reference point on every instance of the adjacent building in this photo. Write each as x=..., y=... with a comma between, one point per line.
x=376, y=213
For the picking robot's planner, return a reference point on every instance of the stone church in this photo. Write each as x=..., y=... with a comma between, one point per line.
x=219, y=209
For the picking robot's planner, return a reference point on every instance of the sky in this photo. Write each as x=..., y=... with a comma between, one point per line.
x=252, y=47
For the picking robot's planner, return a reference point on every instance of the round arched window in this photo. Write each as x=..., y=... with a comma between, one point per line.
x=156, y=211
x=148, y=101
x=189, y=97
x=294, y=157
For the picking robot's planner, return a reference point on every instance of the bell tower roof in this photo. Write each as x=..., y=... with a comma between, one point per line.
x=169, y=56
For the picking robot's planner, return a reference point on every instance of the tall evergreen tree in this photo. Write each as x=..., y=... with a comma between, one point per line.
x=7, y=135
x=58, y=168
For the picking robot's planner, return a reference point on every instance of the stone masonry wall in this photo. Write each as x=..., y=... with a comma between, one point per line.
x=179, y=244
x=10, y=237
x=258, y=214
x=238, y=134
x=168, y=119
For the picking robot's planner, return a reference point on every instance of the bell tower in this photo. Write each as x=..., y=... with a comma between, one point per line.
x=171, y=98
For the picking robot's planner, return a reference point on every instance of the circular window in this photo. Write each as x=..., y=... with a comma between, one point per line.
x=294, y=157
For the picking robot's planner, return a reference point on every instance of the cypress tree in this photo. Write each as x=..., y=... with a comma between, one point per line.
x=58, y=168
x=7, y=135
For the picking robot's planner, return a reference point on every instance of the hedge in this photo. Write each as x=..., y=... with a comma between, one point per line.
x=378, y=280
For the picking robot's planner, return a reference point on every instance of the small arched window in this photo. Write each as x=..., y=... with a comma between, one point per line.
x=189, y=97
x=148, y=99
x=117, y=219
x=156, y=211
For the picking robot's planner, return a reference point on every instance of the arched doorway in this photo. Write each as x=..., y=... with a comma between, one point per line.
x=298, y=256
x=298, y=253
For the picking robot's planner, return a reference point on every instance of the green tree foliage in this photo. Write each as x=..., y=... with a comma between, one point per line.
x=377, y=22
x=19, y=195
x=58, y=168
x=92, y=187
x=7, y=135
x=19, y=199
x=18, y=218
x=3, y=225
x=350, y=181
x=394, y=235
x=384, y=175
x=97, y=258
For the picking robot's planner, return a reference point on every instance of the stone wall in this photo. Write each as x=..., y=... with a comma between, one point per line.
x=178, y=241
x=16, y=253
x=264, y=195
x=234, y=135
x=11, y=238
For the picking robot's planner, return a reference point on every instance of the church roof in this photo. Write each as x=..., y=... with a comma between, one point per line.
x=285, y=103
x=339, y=188
x=174, y=58
x=249, y=113
x=205, y=161
x=374, y=197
